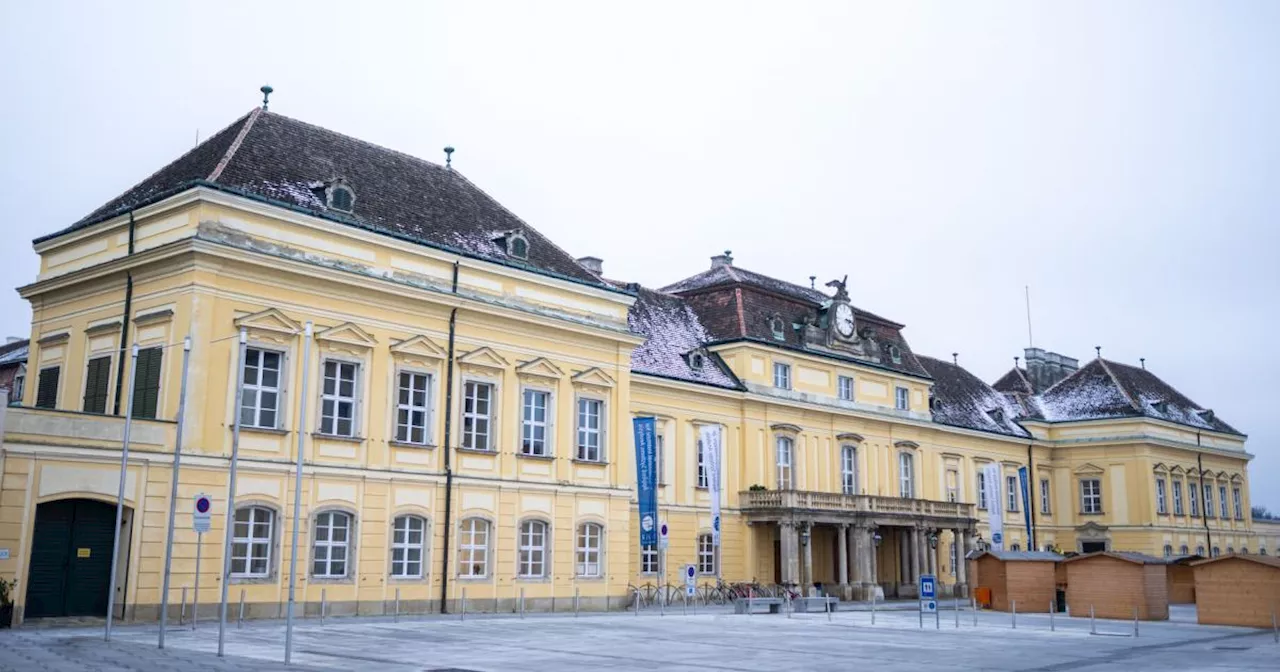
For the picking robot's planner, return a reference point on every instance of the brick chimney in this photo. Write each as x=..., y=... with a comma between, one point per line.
x=593, y=264
x=1046, y=368
x=725, y=259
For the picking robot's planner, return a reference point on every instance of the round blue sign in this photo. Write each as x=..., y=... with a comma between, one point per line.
x=997, y=538
x=202, y=505
x=664, y=529
x=690, y=571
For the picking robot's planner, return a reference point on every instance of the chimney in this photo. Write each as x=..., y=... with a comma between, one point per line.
x=593, y=264
x=1044, y=369
x=725, y=259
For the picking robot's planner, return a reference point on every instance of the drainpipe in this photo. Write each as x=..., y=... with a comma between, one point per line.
x=124, y=325
x=448, y=439
x=1031, y=497
x=1204, y=503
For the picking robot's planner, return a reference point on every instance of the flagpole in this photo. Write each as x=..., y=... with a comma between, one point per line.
x=297, y=494
x=173, y=490
x=124, y=464
x=231, y=495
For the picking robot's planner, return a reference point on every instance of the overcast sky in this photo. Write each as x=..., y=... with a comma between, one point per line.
x=1121, y=159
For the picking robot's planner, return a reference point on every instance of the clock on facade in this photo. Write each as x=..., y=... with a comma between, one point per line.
x=844, y=320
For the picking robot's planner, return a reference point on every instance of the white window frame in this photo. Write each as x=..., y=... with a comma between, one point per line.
x=952, y=484
x=1209, y=511
x=409, y=408
x=251, y=542
x=660, y=453
x=1178, y=508
x=582, y=451
x=472, y=437
x=707, y=555
x=1238, y=501
x=337, y=398
x=982, y=487
x=782, y=375
x=784, y=448
x=1090, y=496
x=473, y=555
x=701, y=458
x=649, y=559
x=1193, y=499
x=324, y=547
x=906, y=475
x=1046, y=500
x=902, y=398
x=1224, y=506
x=589, y=554
x=529, y=425
x=849, y=469
x=533, y=539
x=844, y=388
x=1011, y=484
x=258, y=388
x=403, y=547
x=1162, y=497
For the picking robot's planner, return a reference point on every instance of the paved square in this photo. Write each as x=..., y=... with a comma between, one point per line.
x=707, y=641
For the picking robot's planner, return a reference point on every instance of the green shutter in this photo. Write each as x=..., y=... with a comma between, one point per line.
x=47, y=392
x=146, y=383
x=95, y=385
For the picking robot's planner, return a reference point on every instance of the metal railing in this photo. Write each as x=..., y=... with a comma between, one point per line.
x=774, y=500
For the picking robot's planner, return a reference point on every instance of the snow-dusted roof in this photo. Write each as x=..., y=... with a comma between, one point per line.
x=962, y=399
x=1015, y=381
x=15, y=352
x=672, y=333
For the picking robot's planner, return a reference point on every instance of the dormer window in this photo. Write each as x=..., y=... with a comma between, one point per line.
x=895, y=354
x=1206, y=414
x=696, y=361
x=1160, y=405
x=996, y=415
x=777, y=327
x=515, y=243
x=341, y=197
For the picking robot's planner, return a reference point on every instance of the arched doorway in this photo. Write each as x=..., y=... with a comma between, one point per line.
x=71, y=559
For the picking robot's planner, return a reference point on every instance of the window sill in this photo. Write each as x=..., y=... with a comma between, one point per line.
x=251, y=580
x=337, y=437
x=473, y=579
x=406, y=444
x=544, y=458
x=588, y=579
x=408, y=579
x=596, y=463
x=264, y=430
x=331, y=580
x=477, y=451
x=1094, y=513
x=532, y=579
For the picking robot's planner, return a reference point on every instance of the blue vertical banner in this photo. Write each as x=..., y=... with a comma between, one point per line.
x=647, y=479
x=1024, y=478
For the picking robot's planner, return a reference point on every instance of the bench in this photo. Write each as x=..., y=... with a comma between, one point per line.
x=744, y=605
x=817, y=604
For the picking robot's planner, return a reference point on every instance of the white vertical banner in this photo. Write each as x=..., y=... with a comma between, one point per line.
x=995, y=509
x=710, y=436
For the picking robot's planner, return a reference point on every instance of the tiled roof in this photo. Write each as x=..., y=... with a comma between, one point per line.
x=1269, y=560
x=1129, y=556
x=672, y=331
x=962, y=399
x=1015, y=382
x=286, y=162
x=1014, y=556
x=15, y=352
x=725, y=275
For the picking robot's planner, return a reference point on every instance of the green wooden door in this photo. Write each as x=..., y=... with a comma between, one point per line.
x=71, y=559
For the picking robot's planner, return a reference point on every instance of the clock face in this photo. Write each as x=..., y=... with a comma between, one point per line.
x=844, y=320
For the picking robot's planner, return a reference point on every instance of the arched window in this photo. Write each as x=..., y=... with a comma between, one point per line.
x=533, y=549
x=408, y=546
x=1231, y=549
x=777, y=328
x=1182, y=550
x=1244, y=550
x=341, y=197
x=331, y=545
x=1200, y=551
x=1216, y=551
x=906, y=475
x=473, y=548
x=590, y=540
x=1016, y=547
x=706, y=554
x=1168, y=551
x=849, y=470
x=785, y=460
x=517, y=245
x=251, y=542
x=1262, y=550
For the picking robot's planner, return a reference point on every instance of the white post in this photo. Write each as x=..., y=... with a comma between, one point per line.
x=522, y=602
x=397, y=605
x=575, y=601
x=124, y=464
x=973, y=606
x=297, y=495
x=873, y=606
x=231, y=494
x=1015, y=613
x=1135, y=621
x=826, y=601
x=462, y=615
x=240, y=615
x=324, y=604
x=637, y=598
x=195, y=596
x=1052, y=608
x=173, y=493
x=182, y=613
x=1093, y=628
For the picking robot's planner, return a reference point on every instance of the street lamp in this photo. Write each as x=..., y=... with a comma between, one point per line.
x=933, y=540
x=875, y=536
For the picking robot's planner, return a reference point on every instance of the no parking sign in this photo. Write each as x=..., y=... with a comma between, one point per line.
x=202, y=514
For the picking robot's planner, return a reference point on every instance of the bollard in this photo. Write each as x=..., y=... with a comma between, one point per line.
x=240, y=616
x=1275, y=632
x=973, y=602
x=522, y=603
x=826, y=601
x=873, y=607
x=1052, y=608
x=937, y=615
x=662, y=601
x=397, y=605
x=324, y=604
x=182, y=614
x=575, y=602
x=1015, y=613
x=1135, y=621
x=957, y=609
x=1093, y=628
x=751, y=593
x=462, y=615
x=788, y=604
x=637, y=602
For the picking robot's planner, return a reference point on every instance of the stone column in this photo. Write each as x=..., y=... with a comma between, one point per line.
x=808, y=559
x=932, y=552
x=960, y=551
x=904, y=555
x=842, y=572
x=790, y=551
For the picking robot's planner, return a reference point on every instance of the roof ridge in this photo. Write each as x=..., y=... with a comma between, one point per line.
x=362, y=141
x=1123, y=390
x=235, y=145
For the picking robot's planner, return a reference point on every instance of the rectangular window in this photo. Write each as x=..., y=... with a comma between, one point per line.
x=982, y=488
x=901, y=399
x=590, y=415
x=784, y=457
x=96, y=380
x=473, y=549
x=906, y=477
x=702, y=465
x=332, y=536
x=1011, y=490
x=1208, y=500
x=413, y=408
x=1194, y=499
x=1045, y=499
x=146, y=383
x=533, y=429
x=589, y=543
x=408, y=545
x=1235, y=499
x=953, y=485
x=19, y=383
x=782, y=376
x=47, y=387
x=260, y=398
x=706, y=555
x=338, y=399
x=533, y=549
x=1177, y=498
x=1090, y=495
x=649, y=559
x=1222, y=502
x=660, y=455
x=844, y=384
x=477, y=408
x=849, y=470
x=251, y=542
x=1162, y=506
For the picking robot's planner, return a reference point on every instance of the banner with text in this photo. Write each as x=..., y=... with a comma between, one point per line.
x=710, y=436
x=995, y=514
x=647, y=480
x=1024, y=478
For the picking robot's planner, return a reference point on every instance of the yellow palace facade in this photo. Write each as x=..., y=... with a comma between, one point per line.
x=462, y=390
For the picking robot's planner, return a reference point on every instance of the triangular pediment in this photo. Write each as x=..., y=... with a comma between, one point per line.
x=1160, y=468
x=1177, y=470
x=593, y=376
x=1235, y=478
x=419, y=346
x=1089, y=469
x=485, y=357
x=348, y=333
x=541, y=367
x=270, y=320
